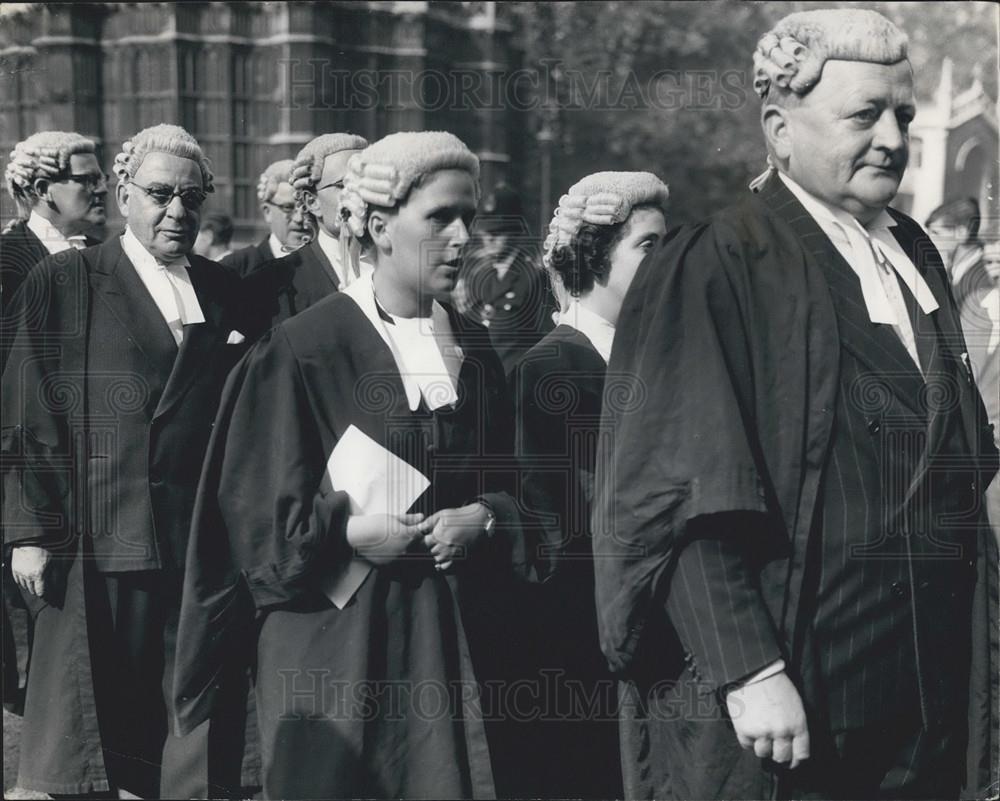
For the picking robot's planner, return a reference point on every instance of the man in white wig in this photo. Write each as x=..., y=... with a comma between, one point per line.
x=364, y=597
x=59, y=190
x=287, y=221
x=295, y=282
x=795, y=578
x=117, y=364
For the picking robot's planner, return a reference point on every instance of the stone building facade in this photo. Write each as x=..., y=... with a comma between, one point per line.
x=254, y=81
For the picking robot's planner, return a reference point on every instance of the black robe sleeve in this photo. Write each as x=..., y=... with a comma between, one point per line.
x=265, y=522
x=43, y=330
x=678, y=408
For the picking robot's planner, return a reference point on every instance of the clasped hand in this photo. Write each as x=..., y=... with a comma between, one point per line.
x=447, y=534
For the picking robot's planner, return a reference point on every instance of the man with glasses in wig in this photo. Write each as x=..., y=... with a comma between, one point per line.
x=117, y=362
x=58, y=189
x=288, y=223
x=286, y=286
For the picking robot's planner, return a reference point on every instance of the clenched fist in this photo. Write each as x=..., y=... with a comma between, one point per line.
x=769, y=717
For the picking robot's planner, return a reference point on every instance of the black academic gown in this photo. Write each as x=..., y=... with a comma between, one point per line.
x=245, y=260
x=557, y=387
x=732, y=337
x=344, y=695
x=104, y=432
x=20, y=250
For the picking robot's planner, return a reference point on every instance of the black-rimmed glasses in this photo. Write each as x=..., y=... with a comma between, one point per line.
x=191, y=199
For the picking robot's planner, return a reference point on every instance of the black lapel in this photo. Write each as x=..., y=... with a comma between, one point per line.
x=200, y=340
x=115, y=281
x=877, y=346
x=947, y=330
x=315, y=260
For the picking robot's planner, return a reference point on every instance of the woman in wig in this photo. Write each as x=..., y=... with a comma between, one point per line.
x=603, y=228
x=364, y=681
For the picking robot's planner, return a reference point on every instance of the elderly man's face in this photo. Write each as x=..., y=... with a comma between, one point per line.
x=324, y=202
x=167, y=228
x=286, y=219
x=848, y=140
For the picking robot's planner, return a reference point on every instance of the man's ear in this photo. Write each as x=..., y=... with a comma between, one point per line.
x=378, y=230
x=266, y=211
x=40, y=186
x=122, y=193
x=777, y=131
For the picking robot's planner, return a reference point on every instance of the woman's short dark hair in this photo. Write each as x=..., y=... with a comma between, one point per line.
x=963, y=211
x=586, y=259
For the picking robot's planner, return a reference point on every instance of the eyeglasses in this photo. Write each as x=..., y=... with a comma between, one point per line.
x=89, y=180
x=288, y=209
x=335, y=184
x=192, y=199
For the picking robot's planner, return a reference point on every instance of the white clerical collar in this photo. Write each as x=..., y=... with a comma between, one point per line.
x=599, y=331
x=168, y=283
x=424, y=348
x=51, y=237
x=276, y=247
x=844, y=230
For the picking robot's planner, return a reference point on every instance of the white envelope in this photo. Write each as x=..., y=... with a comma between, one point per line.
x=377, y=482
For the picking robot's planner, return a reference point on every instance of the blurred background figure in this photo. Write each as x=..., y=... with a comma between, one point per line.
x=954, y=229
x=980, y=315
x=290, y=225
x=502, y=284
x=991, y=260
x=214, y=237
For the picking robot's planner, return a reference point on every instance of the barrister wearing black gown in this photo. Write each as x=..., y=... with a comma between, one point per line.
x=375, y=694
x=320, y=668
x=558, y=387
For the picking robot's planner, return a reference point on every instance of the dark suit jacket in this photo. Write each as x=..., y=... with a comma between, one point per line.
x=105, y=419
x=245, y=260
x=281, y=288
